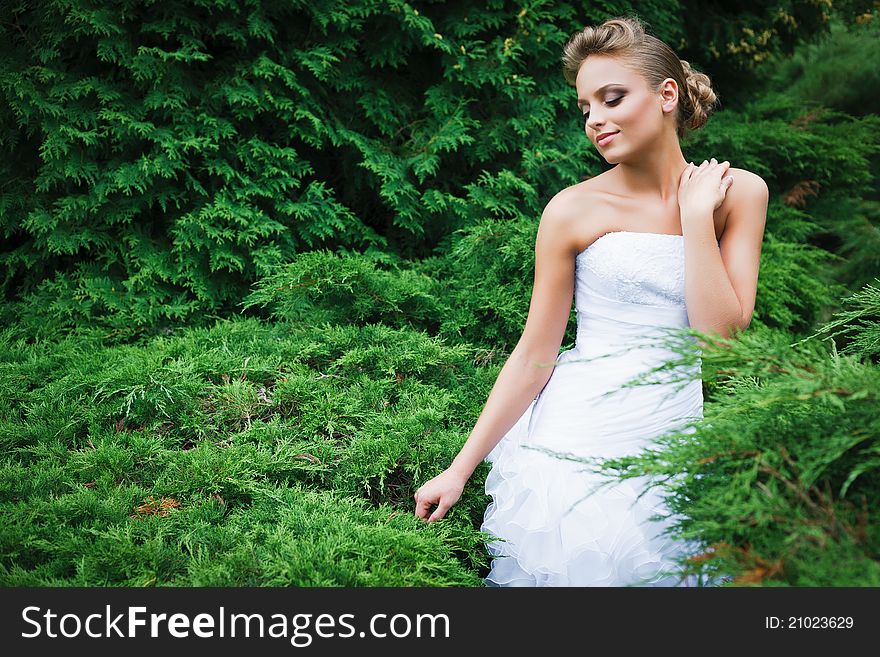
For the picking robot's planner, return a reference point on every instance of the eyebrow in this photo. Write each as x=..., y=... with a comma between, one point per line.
x=582, y=101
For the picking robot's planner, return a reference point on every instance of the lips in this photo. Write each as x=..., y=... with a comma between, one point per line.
x=604, y=137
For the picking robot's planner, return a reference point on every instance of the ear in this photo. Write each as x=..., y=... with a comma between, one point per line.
x=668, y=95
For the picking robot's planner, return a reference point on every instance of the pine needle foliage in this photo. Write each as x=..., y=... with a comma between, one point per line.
x=370, y=206
x=778, y=483
x=245, y=454
x=161, y=157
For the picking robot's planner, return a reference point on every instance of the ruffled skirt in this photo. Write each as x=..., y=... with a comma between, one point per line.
x=553, y=521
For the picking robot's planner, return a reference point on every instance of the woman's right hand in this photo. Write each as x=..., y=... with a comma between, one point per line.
x=444, y=490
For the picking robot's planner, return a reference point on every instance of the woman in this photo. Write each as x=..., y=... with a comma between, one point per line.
x=654, y=242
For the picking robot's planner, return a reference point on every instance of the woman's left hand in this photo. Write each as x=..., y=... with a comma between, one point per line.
x=703, y=188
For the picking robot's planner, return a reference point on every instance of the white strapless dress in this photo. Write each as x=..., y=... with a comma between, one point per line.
x=552, y=521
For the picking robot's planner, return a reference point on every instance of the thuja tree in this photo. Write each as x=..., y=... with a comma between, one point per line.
x=158, y=157
x=780, y=482
x=781, y=479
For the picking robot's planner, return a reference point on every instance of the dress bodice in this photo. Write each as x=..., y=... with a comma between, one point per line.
x=640, y=268
x=628, y=284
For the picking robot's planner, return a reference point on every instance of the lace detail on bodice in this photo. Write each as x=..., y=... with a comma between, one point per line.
x=634, y=267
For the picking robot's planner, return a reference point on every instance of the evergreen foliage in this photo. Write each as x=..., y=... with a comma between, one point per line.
x=781, y=479
x=162, y=157
x=253, y=439
x=370, y=205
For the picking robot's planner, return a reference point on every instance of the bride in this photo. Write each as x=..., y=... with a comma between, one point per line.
x=654, y=242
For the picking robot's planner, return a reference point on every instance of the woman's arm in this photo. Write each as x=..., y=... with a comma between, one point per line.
x=530, y=364
x=721, y=279
x=523, y=376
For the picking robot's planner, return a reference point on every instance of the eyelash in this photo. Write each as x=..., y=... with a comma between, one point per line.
x=586, y=114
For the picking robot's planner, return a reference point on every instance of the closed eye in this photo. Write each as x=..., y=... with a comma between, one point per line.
x=586, y=115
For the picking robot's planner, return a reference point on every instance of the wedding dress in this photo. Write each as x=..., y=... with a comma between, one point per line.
x=556, y=525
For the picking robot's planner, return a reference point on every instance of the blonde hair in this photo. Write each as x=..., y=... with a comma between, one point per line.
x=626, y=37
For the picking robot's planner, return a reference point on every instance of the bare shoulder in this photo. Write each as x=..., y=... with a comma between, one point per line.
x=560, y=219
x=556, y=245
x=570, y=210
x=748, y=192
x=747, y=187
x=571, y=198
x=745, y=204
x=747, y=178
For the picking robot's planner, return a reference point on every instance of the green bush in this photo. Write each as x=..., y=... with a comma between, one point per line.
x=371, y=205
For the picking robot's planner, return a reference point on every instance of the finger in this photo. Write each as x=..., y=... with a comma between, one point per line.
x=723, y=170
x=698, y=170
x=685, y=175
x=724, y=164
x=439, y=512
x=713, y=169
x=422, y=509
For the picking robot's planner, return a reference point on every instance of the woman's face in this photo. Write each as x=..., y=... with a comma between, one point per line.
x=614, y=98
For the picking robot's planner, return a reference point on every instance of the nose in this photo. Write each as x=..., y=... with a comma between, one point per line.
x=595, y=123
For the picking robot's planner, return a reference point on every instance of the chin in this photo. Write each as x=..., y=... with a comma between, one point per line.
x=623, y=153
x=612, y=158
